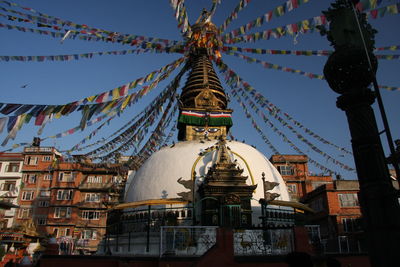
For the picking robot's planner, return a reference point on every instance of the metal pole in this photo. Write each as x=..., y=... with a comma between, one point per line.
x=129, y=241
x=148, y=229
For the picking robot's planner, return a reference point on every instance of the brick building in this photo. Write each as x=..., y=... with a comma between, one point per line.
x=10, y=182
x=295, y=173
x=338, y=215
x=66, y=200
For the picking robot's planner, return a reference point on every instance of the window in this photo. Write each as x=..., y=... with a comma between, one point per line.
x=94, y=179
x=12, y=167
x=24, y=213
x=55, y=232
x=67, y=232
x=351, y=225
x=64, y=194
x=43, y=204
x=292, y=188
x=91, y=215
x=348, y=200
x=44, y=193
x=8, y=186
x=29, y=160
x=92, y=197
x=27, y=195
x=30, y=178
x=89, y=234
x=66, y=176
x=46, y=158
x=41, y=221
x=62, y=212
x=285, y=170
x=47, y=177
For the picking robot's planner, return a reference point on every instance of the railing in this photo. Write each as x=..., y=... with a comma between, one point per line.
x=342, y=245
x=186, y=240
x=263, y=242
x=38, y=149
x=170, y=240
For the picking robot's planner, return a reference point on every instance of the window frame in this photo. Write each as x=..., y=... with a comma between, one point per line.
x=89, y=234
x=286, y=170
x=47, y=177
x=41, y=221
x=94, y=179
x=27, y=195
x=86, y=215
x=43, y=204
x=89, y=197
x=348, y=203
x=46, y=158
x=22, y=211
x=64, y=194
x=8, y=184
x=290, y=187
x=29, y=160
x=17, y=165
x=59, y=210
x=44, y=193
x=62, y=176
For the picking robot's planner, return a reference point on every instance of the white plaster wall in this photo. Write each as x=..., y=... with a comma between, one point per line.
x=158, y=176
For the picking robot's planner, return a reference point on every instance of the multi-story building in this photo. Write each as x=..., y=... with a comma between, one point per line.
x=299, y=180
x=338, y=215
x=67, y=200
x=10, y=182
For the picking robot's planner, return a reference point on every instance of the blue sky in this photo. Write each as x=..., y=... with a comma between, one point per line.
x=309, y=101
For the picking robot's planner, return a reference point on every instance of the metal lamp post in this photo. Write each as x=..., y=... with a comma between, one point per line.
x=349, y=71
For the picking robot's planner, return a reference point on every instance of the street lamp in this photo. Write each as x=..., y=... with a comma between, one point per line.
x=349, y=71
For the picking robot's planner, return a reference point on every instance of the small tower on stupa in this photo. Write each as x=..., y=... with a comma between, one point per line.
x=225, y=193
x=203, y=103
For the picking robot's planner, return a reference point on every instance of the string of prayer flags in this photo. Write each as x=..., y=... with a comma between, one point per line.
x=174, y=49
x=390, y=88
x=146, y=113
x=181, y=15
x=155, y=140
x=290, y=70
x=242, y=4
x=235, y=80
x=130, y=137
x=392, y=48
x=142, y=92
x=275, y=66
x=261, y=51
x=43, y=112
x=256, y=127
x=133, y=40
x=127, y=144
x=367, y=4
x=278, y=132
x=387, y=57
x=104, y=35
x=297, y=134
x=278, y=11
x=304, y=26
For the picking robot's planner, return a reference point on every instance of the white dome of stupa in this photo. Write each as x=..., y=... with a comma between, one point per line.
x=157, y=178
